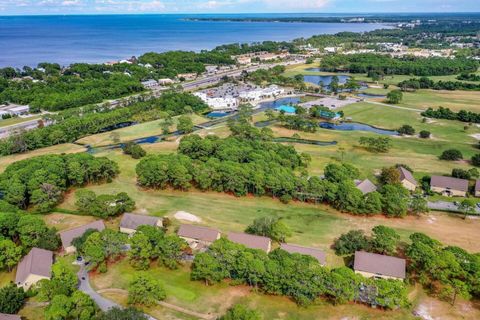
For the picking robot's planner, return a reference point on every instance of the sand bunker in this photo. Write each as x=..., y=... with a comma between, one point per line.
x=183, y=215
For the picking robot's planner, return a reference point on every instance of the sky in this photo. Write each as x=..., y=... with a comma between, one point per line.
x=28, y=7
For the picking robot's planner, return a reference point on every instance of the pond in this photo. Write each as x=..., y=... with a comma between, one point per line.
x=217, y=114
x=305, y=141
x=353, y=126
x=315, y=79
x=371, y=95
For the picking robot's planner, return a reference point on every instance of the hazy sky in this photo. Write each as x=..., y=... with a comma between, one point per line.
x=232, y=6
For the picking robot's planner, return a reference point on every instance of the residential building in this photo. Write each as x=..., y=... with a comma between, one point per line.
x=68, y=236
x=477, y=188
x=251, y=241
x=149, y=84
x=449, y=186
x=130, y=222
x=35, y=266
x=315, y=253
x=365, y=186
x=4, y=316
x=379, y=266
x=406, y=179
x=198, y=236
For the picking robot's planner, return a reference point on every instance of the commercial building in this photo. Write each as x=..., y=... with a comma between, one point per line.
x=218, y=103
x=149, y=84
x=251, y=241
x=379, y=266
x=187, y=76
x=449, y=186
x=130, y=222
x=35, y=266
x=68, y=236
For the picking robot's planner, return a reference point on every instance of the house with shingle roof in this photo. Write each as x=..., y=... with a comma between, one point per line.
x=35, y=266
x=4, y=316
x=251, y=241
x=477, y=188
x=407, y=180
x=314, y=253
x=365, y=186
x=198, y=236
x=130, y=222
x=379, y=266
x=449, y=186
x=68, y=235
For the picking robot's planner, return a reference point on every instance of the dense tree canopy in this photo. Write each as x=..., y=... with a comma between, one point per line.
x=297, y=276
x=41, y=181
x=384, y=64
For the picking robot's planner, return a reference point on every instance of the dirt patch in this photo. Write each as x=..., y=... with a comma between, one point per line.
x=183, y=215
x=475, y=136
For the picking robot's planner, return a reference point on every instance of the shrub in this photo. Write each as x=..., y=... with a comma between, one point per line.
x=460, y=174
x=406, y=129
x=134, y=149
x=452, y=155
x=424, y=134
x=476, y=160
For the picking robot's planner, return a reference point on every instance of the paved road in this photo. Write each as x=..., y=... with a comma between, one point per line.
x=447, y=206
x=103, y=303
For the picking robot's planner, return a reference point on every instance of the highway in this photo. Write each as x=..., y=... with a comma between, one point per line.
x=200, y=82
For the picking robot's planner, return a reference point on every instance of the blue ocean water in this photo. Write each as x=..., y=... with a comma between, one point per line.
x=28, y=40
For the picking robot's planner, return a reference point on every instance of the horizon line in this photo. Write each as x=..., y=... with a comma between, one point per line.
x=231, y=13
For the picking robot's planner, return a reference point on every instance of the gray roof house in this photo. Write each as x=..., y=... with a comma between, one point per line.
x=378, y=265
x=449, y=185
x=4, y=316
x=198, y=233
x=365, y=186
x=68, y=235
x=407, y=179
x=251, y=241
x=130, y=222
x=35, y=266
x=315, y=253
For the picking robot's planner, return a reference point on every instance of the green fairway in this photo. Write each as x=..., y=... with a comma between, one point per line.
x=141, y=130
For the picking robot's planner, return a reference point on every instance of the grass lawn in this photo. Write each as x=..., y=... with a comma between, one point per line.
x=314, y=225
x=6, y=278
x=420, y=154
x=140, y=130
x=58, y=149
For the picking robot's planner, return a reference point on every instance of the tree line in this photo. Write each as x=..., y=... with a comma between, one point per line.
x=243, y=166
x=299, y=277
x=40, y=182
x=386, y=65
x=426, y=83
x=77, y=123
x=446, y=113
